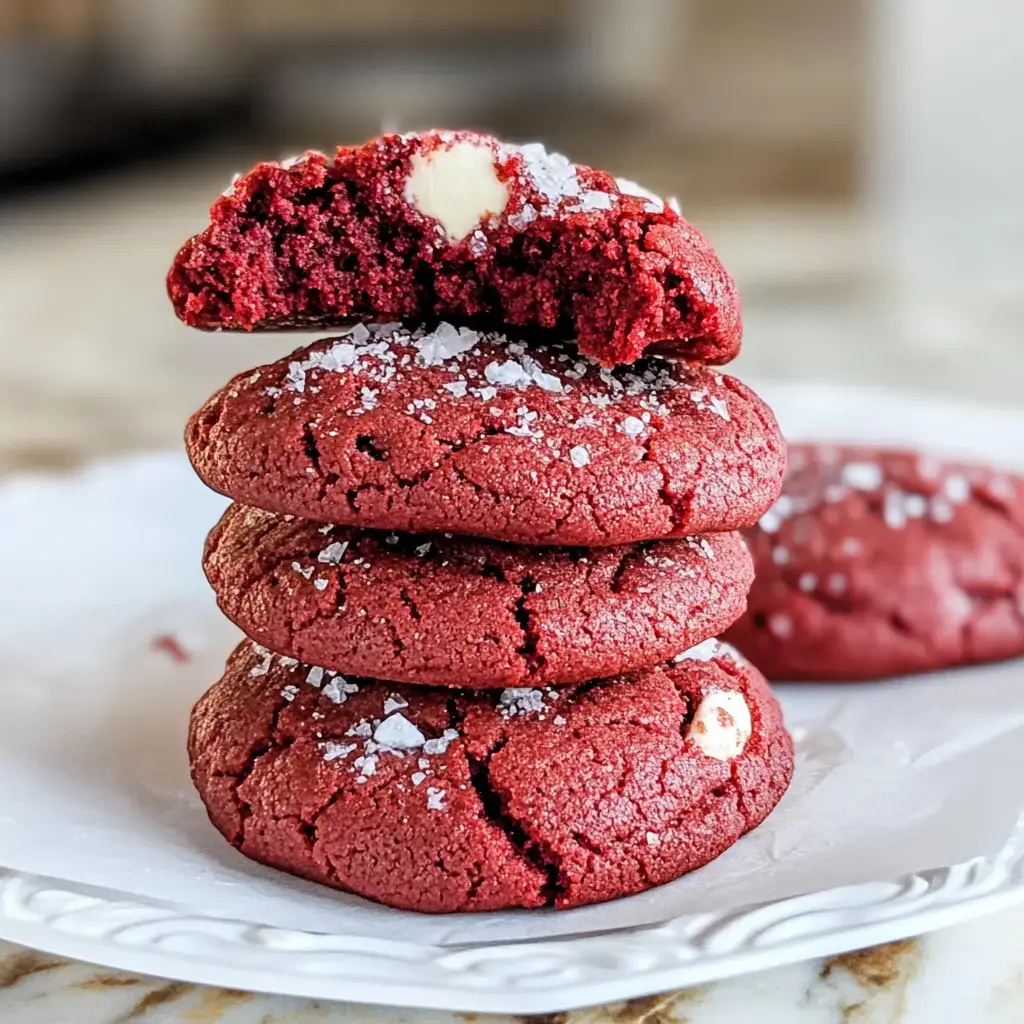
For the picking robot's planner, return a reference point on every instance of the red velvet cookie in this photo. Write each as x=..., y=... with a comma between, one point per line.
x=470, y=613
x=881, y=562
x=436, y=801
x=454, y=225
x=453, y=431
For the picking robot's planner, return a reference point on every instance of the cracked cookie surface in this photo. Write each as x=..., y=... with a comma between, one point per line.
x=472, y=613
x=452, y=430
x=317, y=242
x=430, y=800
x=880, y=562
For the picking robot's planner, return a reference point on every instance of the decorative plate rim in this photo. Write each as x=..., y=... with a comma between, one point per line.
x=529, y=976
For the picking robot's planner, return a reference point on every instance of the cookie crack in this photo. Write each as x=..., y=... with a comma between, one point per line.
x=678, y=505
x=526, y=620
x=423, y=477
x=260, y=749
x=409, y=601
x=628, y=558
x=560, y=521
x=537, y=854
x=311, y=830
x=310, y=447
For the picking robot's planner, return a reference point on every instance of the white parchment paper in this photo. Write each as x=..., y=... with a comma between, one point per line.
x=94, y=788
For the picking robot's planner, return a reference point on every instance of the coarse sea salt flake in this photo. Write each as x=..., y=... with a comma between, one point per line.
x=579, y=456
x=893, y=512
x=545, y=381
x=333, y=751
x=915, y=505
x=862, y=476
x=771, y=521
x=445, y=342
x=394, y=703
x=956, y=488
x=338, y=689
x=553, y=175
x=593, y=200
x=264, y=666
x=398, y=733
x=515, y=700
x=333, y=553
x=719, y=407
x=440, y=744
x=655, y=204
x=519, y=221
x=509, y=373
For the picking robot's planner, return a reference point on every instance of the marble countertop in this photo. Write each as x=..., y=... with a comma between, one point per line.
x=92, y=362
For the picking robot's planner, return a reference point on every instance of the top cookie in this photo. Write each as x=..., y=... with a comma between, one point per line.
x=453, y=431
x=878, y=562
x=457, y=224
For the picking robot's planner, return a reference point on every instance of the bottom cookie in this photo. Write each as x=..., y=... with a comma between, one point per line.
x=442, y=801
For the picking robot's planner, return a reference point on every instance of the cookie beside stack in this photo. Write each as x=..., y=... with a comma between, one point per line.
x=881, y=562
x=481, y=573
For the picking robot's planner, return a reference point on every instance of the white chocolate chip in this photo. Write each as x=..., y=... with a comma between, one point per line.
x=458, y=187
x=721, y=725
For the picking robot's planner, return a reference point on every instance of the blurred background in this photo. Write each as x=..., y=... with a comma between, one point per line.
x=858, y=164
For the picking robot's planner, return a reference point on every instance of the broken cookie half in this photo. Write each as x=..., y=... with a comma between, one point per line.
x=458, y=225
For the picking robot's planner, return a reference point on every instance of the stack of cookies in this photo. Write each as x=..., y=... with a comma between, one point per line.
x=484, y=536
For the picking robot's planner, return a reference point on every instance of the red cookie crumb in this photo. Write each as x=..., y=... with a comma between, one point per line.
x=170, y=645
x=878, y=562
x=436, y=801
x=469, y=613
x=453, y=431
x=454, y=225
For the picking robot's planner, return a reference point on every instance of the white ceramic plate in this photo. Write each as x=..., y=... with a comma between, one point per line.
x=56, y=910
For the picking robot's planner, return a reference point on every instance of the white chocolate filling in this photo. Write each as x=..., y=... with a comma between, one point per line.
x=457, y=186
